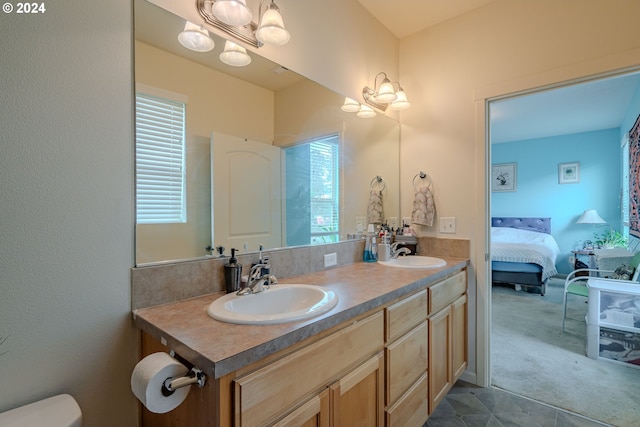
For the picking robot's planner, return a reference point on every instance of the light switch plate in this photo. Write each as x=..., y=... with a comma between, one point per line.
x=448, y=224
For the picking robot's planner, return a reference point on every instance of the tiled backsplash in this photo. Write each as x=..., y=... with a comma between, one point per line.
x=169, y=282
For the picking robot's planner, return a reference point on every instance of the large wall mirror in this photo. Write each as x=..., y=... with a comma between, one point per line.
x=270, y=158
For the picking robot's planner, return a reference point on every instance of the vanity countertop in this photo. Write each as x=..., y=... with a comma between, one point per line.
x=219, y=348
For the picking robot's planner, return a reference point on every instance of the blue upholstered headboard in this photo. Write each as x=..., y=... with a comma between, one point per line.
x=541, y=225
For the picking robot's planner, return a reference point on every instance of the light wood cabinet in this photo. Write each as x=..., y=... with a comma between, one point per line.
x=447, y=336
x=389, y=368
x=265, y=395
x=406, y=361
x=313, y=413
x=356, y=399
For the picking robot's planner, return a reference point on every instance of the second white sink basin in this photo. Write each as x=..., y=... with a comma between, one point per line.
x=279, y=304
x=415, y=261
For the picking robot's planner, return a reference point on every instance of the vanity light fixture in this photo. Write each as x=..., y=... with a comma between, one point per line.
x=386, y=94
x=234, y=55
x=234, y=18
x=195, y=38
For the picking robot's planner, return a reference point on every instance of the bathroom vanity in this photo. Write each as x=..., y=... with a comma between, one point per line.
x=384, y=356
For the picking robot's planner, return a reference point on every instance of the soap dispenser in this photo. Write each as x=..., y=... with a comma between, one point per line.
x=370, y=246
x=232, y=273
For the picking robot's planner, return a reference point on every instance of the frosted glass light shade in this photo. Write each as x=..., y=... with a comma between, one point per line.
x=271, y=29
x=234, y=55
x=386, y=93
x=401, y=102
x=350, y=105
x=195, y=38
x=590, y=216
x=366, y=112
x=232, y=12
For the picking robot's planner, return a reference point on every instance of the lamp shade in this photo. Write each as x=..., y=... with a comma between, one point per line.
x=234, y=55
x=401, y=102
x=386, y=93
x=350, y=105
x=366, y=112
x=271, y=28
x=590, y=216
x=195, y=38
x=232, y=12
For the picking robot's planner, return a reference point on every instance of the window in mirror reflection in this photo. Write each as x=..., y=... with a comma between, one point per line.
x=160, y=160
x=313, y=191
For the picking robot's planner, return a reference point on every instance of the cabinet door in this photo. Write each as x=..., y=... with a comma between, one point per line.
x=406, y=362
x=314, y=413
x=459, y=338
x=440, y=371
x=357, y=398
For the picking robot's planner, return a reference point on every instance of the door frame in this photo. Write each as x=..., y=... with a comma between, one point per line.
x=595, y=69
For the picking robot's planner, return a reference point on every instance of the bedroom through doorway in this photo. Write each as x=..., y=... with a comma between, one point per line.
x=532, y=136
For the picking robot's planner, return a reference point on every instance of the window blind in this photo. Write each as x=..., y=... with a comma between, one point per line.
x=160, y=160
x=325, y=190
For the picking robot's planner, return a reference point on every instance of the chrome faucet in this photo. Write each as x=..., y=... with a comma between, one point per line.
x=257, y=281
x=395, y=251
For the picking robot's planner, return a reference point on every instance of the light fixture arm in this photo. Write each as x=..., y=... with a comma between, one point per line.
x=370, y=94
x=245, y=33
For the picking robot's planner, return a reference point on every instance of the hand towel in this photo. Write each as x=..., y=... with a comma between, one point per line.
x=423, y=207
x=374, y=207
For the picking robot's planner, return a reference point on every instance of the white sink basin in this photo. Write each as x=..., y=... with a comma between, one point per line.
x=279, y=304
x=415, y=261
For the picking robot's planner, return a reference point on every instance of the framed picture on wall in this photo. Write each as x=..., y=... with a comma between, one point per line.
x=503, y=177
x=569, y=173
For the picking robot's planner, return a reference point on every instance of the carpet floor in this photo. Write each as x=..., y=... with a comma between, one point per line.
x=530, y=356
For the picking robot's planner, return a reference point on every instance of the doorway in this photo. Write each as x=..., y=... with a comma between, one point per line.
x=517, y=120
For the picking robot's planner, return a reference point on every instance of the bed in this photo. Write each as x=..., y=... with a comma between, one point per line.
x=523, y=252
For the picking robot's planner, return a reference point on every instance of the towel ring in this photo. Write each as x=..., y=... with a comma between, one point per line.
x=378, y=180
x=423, y=176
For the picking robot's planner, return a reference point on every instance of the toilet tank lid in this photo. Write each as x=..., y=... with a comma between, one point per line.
x=56, y=411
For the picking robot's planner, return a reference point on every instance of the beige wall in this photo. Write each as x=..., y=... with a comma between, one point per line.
x=66, y=216
x=504, y=47
x=217, y=102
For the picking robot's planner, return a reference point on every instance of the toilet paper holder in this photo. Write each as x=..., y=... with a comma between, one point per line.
x=194, y=376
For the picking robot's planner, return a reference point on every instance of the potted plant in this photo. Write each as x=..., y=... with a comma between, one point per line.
x=610, y=239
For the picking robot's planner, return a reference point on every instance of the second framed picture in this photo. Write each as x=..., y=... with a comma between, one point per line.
x=569, y=173
x=503, y=177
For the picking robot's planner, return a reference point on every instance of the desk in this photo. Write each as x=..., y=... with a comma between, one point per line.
x=613, y=320
x=605, y=259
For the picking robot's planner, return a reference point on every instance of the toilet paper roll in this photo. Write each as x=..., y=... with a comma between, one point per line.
x=147, y=379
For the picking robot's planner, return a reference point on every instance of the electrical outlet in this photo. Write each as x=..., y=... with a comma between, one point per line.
x=331, y=259
x=361, y=224
x=448, y=224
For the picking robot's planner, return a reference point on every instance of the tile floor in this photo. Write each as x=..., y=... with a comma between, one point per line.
x=467, y=405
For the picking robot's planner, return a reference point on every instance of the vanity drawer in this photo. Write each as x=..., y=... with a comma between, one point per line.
x=404, y=315
x=266, y=394
x=411, y=409
x=445, y=292
x=407, y=360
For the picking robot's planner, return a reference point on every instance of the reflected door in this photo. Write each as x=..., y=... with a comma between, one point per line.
x=246, y=200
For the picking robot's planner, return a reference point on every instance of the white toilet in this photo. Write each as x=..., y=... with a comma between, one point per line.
x=57, y=411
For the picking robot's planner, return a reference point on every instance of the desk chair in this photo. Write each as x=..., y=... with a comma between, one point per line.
x=576, y=281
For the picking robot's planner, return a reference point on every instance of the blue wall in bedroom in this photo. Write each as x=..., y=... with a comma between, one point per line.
x=538, y=193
